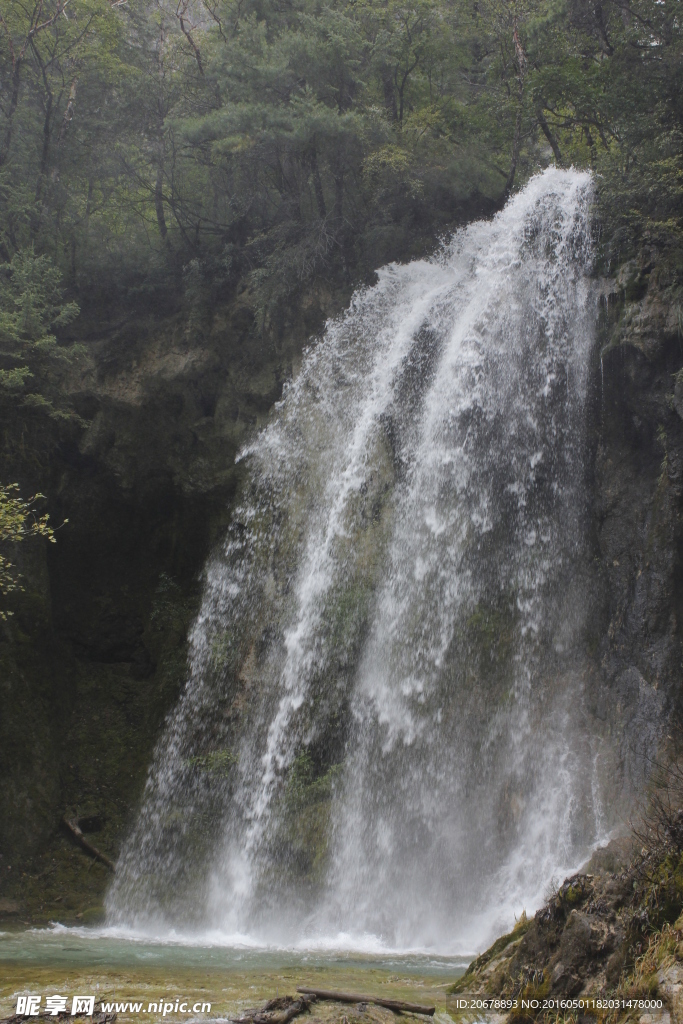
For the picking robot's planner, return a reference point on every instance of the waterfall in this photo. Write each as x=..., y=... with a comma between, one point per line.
x=383, y=730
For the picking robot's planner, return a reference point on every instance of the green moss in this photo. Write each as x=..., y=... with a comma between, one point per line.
x=302, y=834
x=534, y=992
x=217, y=762
x=663, y=891
x=93, y=915
x=347, y=614
x=574, y=895
x=490, y=631
x=304, y=788
x=636, y=287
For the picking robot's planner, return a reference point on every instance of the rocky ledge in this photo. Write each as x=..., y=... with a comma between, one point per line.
x=607, y=945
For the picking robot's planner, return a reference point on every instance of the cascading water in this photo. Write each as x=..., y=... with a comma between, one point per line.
x=383, y=728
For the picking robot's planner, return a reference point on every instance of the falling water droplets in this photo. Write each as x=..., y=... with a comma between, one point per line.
x=379, y=729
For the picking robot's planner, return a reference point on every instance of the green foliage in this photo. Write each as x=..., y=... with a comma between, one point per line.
x=31, y=307
x=209, y=147
x=250, y=142
x=18, y=520
x=32, y=302
x=14, y=379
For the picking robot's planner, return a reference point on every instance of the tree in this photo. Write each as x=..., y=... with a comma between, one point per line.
x=18, y=521
x=31, y=307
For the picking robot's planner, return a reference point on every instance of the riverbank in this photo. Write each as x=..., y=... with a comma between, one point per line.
x=607, y=945
x=71, y=961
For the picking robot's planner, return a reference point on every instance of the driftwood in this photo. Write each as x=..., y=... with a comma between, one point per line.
x=351, y=997
x=80, y=838
x=276, y=1011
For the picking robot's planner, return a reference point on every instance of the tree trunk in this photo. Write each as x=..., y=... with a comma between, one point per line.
x=338, y=197
x=69, y=112
x=402, y=88
x=159, y=202
x=517, y=137
x=318, y=185
x=514, y=155
x=45, y=152
x=159, y=185
x=545, y=128
x=14, y=99
x=390, y=95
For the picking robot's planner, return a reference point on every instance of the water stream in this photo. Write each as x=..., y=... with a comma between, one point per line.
x=383, y=732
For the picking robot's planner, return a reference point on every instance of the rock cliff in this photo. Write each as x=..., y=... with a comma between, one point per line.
x=94, y=656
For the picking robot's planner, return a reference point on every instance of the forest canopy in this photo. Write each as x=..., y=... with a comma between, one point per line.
x=257, y=144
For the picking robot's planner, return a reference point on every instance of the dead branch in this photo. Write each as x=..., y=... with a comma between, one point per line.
x=92, y=850
x=351, y=997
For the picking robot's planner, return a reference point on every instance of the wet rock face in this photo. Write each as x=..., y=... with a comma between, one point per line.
x=611, y=933
x=94, y=655
x=637, y=499
x=637, y=495
x=576, y=944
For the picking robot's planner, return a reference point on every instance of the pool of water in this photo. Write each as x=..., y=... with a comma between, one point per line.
x=229, y=975
x=78, y=947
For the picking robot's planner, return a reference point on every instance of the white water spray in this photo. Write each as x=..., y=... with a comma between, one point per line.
x=382, y=731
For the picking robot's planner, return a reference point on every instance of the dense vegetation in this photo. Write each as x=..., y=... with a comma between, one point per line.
x=255, y=144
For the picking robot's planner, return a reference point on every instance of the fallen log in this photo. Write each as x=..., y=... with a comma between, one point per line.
x=351, y=997
x=92, y=850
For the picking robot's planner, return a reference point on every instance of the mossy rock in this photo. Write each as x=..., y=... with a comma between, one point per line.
x=93, y=915
x=535, y=992
x=498, y=947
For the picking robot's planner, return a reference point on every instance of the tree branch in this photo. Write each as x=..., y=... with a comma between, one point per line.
x=181, y=12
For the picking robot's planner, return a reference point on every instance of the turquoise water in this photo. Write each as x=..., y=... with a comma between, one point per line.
x=86, y=948
x=225, y=976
